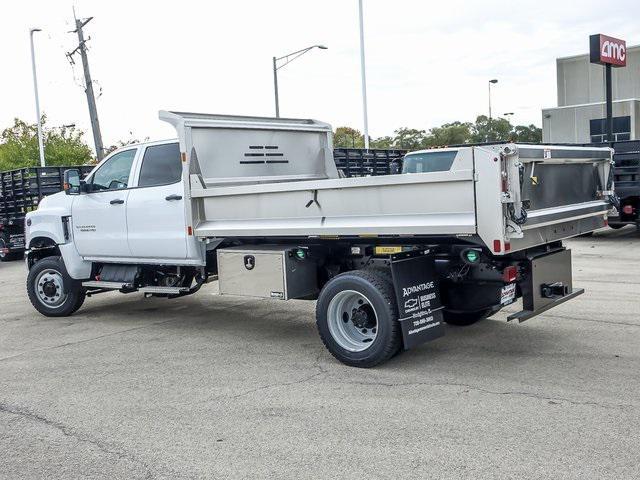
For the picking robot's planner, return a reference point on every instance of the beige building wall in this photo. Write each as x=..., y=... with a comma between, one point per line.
x=571, y=124
x=581, y=82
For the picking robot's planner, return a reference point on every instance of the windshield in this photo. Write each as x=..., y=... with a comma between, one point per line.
x=428, y=162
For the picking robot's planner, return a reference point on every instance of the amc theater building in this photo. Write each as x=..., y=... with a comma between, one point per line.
x=580, y=114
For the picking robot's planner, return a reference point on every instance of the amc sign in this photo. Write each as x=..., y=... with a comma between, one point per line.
x=608, y=50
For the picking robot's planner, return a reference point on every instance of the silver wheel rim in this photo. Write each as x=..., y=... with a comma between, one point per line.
x=353, y=322
x=2, y=247
x=49, y=288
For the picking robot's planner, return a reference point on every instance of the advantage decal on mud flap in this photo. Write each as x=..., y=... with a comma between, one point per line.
x=419, y=307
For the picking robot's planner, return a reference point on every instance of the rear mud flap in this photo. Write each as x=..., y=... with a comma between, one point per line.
x=419, y=307
x=547, y=284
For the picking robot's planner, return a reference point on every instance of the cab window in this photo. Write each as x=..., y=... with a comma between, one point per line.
x=428, y=162
x=114, y=173
x=161, y=165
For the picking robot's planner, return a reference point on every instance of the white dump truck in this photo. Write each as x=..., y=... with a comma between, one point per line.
x=258, y=205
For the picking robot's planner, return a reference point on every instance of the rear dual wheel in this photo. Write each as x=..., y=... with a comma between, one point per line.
x=357, y=318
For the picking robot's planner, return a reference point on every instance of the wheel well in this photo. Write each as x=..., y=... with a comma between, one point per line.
x=42, y=247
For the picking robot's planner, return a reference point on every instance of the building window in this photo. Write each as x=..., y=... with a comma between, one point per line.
x=621, y=129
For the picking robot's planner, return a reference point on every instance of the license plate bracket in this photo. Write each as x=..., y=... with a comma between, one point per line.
x=508, y=294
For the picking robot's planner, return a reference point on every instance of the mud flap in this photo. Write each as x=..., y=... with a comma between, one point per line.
x=419, y=307
x=547, y=284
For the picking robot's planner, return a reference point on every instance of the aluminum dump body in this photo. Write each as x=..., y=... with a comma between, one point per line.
x=265, y=177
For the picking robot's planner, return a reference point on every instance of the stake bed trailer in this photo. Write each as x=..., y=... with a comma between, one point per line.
x=258, y=203
x=21, y=190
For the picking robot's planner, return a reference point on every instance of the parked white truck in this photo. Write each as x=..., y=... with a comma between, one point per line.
x=258, y=204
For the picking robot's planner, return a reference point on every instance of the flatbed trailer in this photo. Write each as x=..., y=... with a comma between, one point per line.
x=259, y=205
x=21, y=190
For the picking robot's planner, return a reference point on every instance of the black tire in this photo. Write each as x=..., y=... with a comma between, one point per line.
x=617, y=226
x=377, y=288
x=75, y=293
x=465, y=319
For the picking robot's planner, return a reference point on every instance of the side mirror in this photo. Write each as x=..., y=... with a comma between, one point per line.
x=71, y=183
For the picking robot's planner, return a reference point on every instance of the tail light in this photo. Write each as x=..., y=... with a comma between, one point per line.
x=510, y=274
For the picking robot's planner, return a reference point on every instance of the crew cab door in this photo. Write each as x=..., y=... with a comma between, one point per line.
x=100, y=216
x=156, y=207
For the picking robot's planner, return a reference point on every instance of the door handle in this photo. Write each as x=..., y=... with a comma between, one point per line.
x=116, y=202
x=173, y=197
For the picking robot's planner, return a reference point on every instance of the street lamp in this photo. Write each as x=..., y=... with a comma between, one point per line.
x=287, y=59
x=363, y=77
x=35, y=89
x=491, y=82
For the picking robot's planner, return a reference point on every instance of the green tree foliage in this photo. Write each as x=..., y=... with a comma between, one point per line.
x=529, y=133
x=347, y=137
x=62, y=146
x=409, y=138
x=449, y=134
x=383, y=142
x=494, y=130
x=454, y=133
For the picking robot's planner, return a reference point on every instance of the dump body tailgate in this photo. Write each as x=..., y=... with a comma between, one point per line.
x=544, y=193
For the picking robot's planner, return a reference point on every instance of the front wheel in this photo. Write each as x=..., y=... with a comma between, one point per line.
x=357, y=318
x=51, y=290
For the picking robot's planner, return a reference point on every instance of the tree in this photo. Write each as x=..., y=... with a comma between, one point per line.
x=62, y=146
x=386, y=143
x=531, y=134
x=409, y=138
x=347, y=137
x=449, y=134
x=494, y=130
x=454, y=133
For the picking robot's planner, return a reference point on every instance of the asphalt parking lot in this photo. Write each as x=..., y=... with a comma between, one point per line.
x=222, y=387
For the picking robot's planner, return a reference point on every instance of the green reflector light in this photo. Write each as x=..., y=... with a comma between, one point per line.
x=472, y=256
x=301, y=254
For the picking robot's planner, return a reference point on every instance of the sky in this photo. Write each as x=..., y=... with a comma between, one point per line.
x=427, y=62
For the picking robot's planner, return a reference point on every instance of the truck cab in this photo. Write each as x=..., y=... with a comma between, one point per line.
x=130, y=208
x=425, y=161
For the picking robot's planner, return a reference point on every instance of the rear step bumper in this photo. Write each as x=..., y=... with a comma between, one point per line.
x=547, y=283
x=527, y=314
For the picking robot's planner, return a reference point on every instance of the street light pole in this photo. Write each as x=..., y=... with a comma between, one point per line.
x=35, y=90
x=275, y=86
x=491, y=82
x=364, y=79
x=287, y=59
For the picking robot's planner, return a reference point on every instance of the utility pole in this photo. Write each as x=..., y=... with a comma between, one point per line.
x=91, y=100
